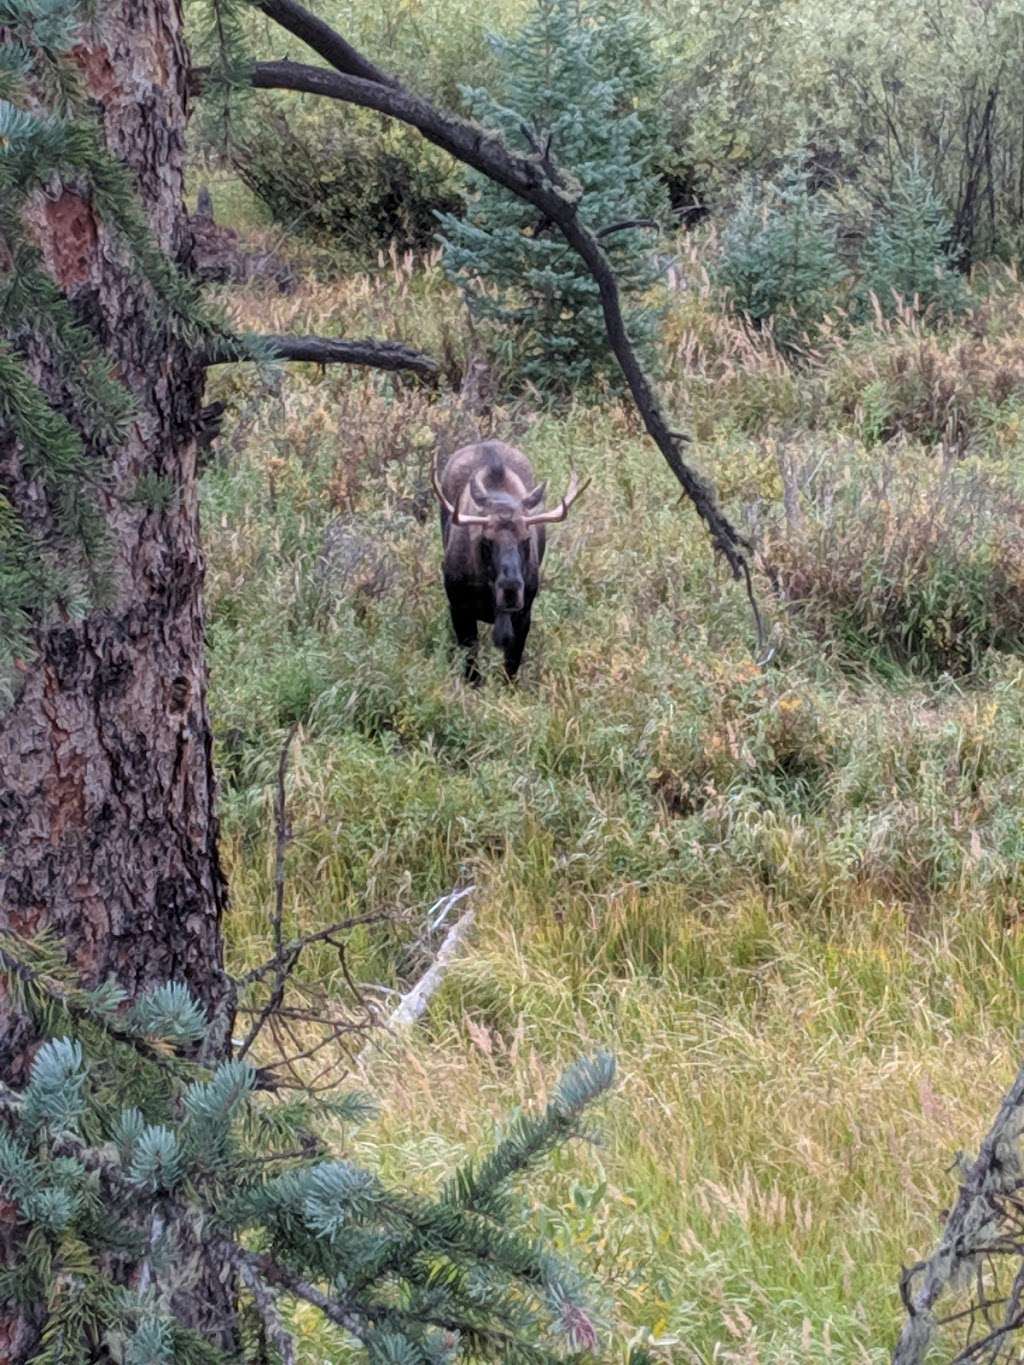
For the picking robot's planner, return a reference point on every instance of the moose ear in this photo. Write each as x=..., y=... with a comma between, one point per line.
x=477, y=491
x=533, y=500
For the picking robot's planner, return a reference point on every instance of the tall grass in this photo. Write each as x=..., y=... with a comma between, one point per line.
x=787, y=900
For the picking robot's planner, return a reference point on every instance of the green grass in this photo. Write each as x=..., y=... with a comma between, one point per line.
x=787, y=900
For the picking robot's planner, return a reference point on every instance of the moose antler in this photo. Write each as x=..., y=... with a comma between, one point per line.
x=458, y=518
x=560, y=512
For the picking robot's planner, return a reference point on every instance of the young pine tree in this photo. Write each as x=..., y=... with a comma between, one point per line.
x=779, y=260
x=579, y=79
x=908, y=257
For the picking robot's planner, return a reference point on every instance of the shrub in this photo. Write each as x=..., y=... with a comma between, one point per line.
x=888, y=564
x=779, y=259
x=908, y=256
x=350, y=179
x=577, y=76
x=963, y=389
x=121, y=1155
x=857, y=84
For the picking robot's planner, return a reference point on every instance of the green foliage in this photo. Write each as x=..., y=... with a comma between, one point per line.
x=96, y=1186
x=346, y=179
x=908, y=257
x=787, y=900
x=895, y=565
x=582, y=80
x=863, y=86
x=170, y=1013
x=779, y=260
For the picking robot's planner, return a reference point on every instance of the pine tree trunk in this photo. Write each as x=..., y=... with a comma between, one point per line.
x=108, y=835
x=107, y=821
x=107, y=824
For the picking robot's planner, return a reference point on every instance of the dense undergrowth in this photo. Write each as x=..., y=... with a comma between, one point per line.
x=787, y=900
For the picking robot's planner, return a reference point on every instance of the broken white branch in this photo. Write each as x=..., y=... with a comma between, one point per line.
x=413, y=1004
x=440, y=910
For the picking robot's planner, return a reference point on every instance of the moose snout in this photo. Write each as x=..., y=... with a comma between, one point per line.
x=509, y=594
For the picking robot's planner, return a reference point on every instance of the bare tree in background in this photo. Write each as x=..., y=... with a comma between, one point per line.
x=968, y=1296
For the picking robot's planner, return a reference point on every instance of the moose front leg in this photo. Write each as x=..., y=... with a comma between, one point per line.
x=514, y=649
x=465, y=627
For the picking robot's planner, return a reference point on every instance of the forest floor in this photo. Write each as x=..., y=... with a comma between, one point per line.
x=787, y=900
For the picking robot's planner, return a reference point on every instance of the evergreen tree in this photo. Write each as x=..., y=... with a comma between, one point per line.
x=779, y=259
x=908, y=256
x=579, y=80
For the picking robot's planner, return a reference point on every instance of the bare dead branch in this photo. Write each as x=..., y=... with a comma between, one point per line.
x=266, y=1269
x=974, y=1229
x=414, y=1002
x=298, y=946
x=323, y=40
x=283, y=962
x=412, y=1005
x=626, y=223
x=378, y=355
x=301, y=1031
x=277, y=1334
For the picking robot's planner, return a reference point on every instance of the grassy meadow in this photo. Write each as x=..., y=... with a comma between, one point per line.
x=786, y=899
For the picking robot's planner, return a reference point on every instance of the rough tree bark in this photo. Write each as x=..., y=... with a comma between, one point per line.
x=107, y=822
x=108, y=835
x=107, y=825
x=108, y=831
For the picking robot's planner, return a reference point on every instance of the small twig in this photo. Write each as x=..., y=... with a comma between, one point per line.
x=973, y=1351
x=284, y=962
x=269, y=1272
x=277, y=1334
x=283, y=837
x=299, y=945
x=446, y=904
x=156, y=1231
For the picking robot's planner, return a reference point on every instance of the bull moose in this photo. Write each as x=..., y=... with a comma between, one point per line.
x=492, y=528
